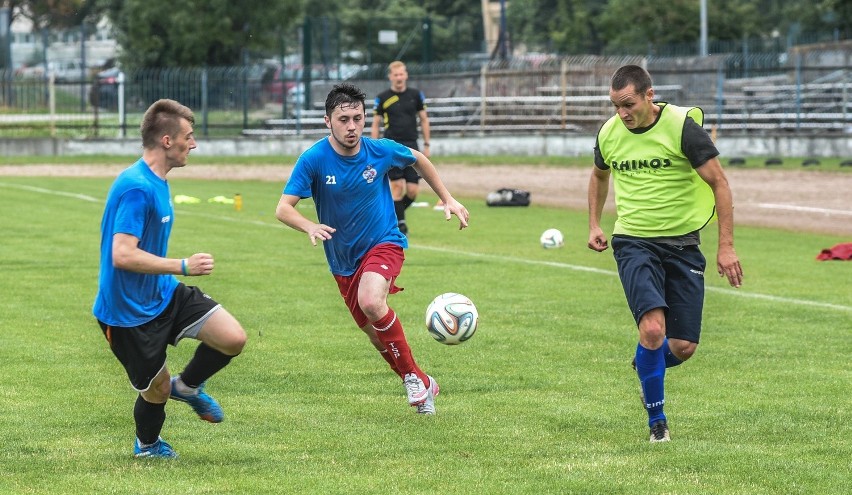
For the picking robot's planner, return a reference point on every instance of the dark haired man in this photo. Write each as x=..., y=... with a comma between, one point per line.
x=346, y=174
x=668, y=185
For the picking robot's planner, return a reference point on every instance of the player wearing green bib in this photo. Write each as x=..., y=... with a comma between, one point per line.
x=668, y=185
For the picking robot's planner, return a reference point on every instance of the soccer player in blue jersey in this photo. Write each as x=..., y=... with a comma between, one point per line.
x=347, y=176
x=140, y=306
x=668, y=185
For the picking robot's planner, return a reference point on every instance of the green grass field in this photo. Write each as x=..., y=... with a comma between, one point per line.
x=541, y=400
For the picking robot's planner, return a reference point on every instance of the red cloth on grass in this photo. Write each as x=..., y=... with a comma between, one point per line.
x=841, y=251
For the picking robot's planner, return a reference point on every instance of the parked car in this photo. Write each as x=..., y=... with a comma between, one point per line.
x=69, y=71
x=104, y=90
x=278, y=81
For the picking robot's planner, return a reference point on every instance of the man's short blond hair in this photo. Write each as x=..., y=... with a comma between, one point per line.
x=396, y=64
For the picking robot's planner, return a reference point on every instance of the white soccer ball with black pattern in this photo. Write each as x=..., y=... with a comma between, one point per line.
x=451, y=318
x=551, y=239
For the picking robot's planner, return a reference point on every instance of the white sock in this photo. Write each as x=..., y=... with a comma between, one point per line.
x=183, y=388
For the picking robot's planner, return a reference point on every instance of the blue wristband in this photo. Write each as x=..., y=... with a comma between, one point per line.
x=183, y=267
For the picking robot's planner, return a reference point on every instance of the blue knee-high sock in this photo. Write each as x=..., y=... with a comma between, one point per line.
x=651, y=368
x=671, y=359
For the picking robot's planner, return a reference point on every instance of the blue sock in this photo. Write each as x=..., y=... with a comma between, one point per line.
x=671, y=359
x=651, y=368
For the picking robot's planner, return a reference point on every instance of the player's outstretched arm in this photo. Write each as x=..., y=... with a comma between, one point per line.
x=427, y=170
x=287, y=214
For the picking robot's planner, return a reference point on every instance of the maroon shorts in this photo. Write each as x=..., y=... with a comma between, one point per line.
x=384, y=259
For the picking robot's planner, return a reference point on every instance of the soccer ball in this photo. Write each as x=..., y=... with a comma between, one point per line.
x=451, y=318
x=552, y=238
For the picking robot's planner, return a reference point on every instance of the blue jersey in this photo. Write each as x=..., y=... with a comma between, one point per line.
x=352, y=195
x=139, y=204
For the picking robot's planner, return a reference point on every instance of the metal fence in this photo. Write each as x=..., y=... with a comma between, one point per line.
x=805, y=89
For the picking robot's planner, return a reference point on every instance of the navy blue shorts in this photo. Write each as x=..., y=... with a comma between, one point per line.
x=657, y=275
x=142, y=349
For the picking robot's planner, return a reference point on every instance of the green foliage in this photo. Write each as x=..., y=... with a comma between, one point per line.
x=827, y=14
x=157, y=33
x=541, y=400
x=734, y=19
x=662, y=22
x=562, y=26
x=620, y=26
x=405, y=17
x=160, y=33
x=56, y=14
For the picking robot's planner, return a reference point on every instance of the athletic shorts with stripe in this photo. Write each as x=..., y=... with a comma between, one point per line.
x=142, y=349
x=386, y=260
x=660, y=275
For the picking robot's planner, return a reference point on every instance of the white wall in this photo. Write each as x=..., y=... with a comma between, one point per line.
x=535, y=145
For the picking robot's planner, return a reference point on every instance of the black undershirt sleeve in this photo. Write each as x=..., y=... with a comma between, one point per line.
x=696, y=144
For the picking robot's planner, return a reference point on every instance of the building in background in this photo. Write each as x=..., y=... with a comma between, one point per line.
x=67, y=52
x=494, y=26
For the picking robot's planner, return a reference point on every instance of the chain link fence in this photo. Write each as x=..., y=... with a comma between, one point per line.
x=804, y=89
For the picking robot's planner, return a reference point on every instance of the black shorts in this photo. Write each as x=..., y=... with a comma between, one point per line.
x=408, y=173
x=657, y=275
x=142, y=349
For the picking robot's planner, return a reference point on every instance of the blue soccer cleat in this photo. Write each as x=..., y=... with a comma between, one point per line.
x=205, y=406
x=159, y=449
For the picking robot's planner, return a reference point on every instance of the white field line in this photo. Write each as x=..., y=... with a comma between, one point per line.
x=511, y=259
x=721, y=290
x=809, y=209
x=52, y=192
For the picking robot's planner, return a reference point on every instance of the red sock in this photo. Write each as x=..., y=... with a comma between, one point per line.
x=387, y=357
x=390, y=333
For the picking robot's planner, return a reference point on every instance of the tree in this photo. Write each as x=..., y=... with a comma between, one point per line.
x=164, y=33
x=59, y=14
x=623, y=26
x=634, y=29
x=556, y=26
x=455, y=25
x=54, y=14
x=819, y=15
x=403, y=16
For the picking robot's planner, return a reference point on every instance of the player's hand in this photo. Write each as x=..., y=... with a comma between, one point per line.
x=729, y=266
x=320, y=231
x=597, y=240
x=199, y=264
x=453, y=207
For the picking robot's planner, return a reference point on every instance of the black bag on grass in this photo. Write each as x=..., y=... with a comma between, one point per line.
x=508, y=197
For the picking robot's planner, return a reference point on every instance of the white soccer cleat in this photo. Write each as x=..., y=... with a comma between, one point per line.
x=428, y=407
x=416, y=390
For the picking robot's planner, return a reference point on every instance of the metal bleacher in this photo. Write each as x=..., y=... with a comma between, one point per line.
x=773, y=105
x=823, y=105
x=581, y=111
